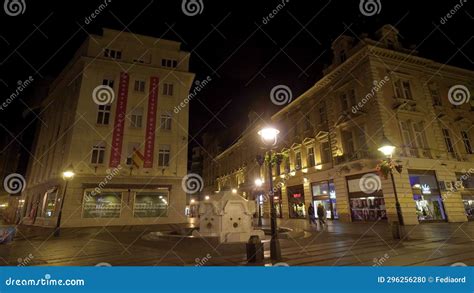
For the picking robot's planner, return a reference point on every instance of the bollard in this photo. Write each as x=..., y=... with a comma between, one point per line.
x=254, y=250
x=395, y=230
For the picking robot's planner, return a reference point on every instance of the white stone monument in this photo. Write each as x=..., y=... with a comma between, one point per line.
x=228, y=216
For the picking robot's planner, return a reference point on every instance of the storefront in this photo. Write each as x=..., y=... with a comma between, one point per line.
x=427, y=196
x=467, y=193
x=49, y=202
x=365, y=206
x=296, y=206
x=324, y=193
x=103, y=205
x=277, y=204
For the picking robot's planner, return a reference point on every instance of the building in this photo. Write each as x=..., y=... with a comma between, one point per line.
x=330, y=134
x=110, y=114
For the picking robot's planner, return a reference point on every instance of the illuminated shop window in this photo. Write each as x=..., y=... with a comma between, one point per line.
x=103, y=205
x=151, y=204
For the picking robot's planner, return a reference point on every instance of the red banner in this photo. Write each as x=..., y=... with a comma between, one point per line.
x=117, y=136
x=151, y=123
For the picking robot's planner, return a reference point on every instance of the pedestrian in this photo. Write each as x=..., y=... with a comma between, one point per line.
x=311, y=215
x=321, y=212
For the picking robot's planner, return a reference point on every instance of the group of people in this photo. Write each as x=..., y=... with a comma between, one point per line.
x=320, y=211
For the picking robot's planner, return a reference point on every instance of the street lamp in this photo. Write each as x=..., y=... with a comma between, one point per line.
x=269, y=136
x=387, y=149
x=68, y=174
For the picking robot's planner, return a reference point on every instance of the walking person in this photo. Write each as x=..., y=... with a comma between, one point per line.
x=321, y=213
x=312, y=220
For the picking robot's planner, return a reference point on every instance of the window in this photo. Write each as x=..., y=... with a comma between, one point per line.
x=467, y=142
x=103, y=114
x=298, y=160
x=435, y=95
x=168, y=89
x=139, y=86
x=325, y=152
x=403, y=89
x=307, y=121
x=114, y=54
x=49, y=203
x=322, y=114
x=169, y=63
x=310, y=159
x=108, y=82
x=98, y=153
x=352, y=97
x=420, y=137
x=136, y=118
x=164, y=155
x=102, y=205
x=287, y=165
x=344, y=102
x=343, y=56
x=406, y=133
x=165, y=122
x=448, y=141
x=347, y=142
x=151, y=204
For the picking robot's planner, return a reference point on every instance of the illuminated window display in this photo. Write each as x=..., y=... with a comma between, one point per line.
x=365, y=206
x=468, y=201
x=296, y=204
x=151, y=204
x=103, y=205
x=429, y=204
x=467, y=193
x=324, y=193
x=49, y=202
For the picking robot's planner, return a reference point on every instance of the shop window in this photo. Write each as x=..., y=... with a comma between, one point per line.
x=468, y=201
x=103, y=205
x=429, y=203
x=296, y=203
x=151, y=204
x=366, y=205
x=324, y=193
x=49, y=203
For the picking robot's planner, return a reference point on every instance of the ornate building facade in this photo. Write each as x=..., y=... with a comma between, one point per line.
x=110, y=114
x=375, y=88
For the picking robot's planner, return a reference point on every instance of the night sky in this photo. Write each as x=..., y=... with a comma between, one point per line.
x=229, y=41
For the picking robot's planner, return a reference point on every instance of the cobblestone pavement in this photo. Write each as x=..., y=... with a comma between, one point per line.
x=338, y=244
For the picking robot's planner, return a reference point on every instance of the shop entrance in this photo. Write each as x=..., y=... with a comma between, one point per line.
x=427, y=197
x=325, y=194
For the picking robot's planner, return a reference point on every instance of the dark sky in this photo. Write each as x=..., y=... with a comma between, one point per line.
x=244, y=61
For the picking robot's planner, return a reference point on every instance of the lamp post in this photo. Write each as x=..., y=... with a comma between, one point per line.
x=387, y=149
x=258, y=184
x=68, y=174
x=269, y=136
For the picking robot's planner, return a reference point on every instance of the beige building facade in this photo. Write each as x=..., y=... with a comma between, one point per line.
x=110, y=114
x=330, y=134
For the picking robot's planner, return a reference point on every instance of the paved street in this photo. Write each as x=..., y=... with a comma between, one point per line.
x=339, y=244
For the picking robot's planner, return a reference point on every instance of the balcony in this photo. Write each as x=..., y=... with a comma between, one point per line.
x=349, y=157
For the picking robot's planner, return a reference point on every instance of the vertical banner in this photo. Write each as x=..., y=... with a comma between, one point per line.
x=151, y=123
x=117, y=136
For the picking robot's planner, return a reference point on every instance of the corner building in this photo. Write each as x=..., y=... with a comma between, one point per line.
x=330, y=134
x=130, y=154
